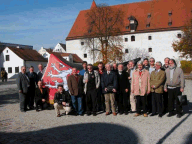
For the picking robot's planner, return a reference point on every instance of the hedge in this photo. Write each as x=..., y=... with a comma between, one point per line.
x=186, y=66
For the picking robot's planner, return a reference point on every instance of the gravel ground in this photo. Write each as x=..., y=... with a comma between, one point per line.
x=45, y=127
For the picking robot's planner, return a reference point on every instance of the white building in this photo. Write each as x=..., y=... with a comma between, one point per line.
x=60, y=48
x=150, y=25
x=45, y=52
x=12, y=59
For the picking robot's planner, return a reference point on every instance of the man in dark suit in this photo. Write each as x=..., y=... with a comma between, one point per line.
x=33, y=82
x=109, y=86
x=122, y=91
x=146, y=64
x=23, y=84
x=75, y=85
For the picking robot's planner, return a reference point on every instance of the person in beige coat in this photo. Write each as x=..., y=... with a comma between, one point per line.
x=157, y=80
x=140, y=87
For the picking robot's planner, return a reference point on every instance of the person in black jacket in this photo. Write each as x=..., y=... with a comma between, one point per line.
x=62, y=100
x=40, y=72
x=146, y=64
x=109, y=87
x=33, y=82
x=122, y=91
x=41, y=96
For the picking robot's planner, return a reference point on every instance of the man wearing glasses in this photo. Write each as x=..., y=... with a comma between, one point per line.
x=92, y=83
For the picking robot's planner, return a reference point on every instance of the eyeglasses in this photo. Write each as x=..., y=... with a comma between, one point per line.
x=89, y=68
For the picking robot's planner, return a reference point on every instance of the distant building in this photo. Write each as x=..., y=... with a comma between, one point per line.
x=150, y=25
x=12, y=59
x=60, y=48
x=45, y=52
x=4, y=45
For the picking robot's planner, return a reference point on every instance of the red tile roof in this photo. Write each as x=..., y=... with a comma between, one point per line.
x=76, y=58
x=28, y=54
x=93, y=4
x=159, y=9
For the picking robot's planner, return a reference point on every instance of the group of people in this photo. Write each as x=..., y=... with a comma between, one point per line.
x=144, y=88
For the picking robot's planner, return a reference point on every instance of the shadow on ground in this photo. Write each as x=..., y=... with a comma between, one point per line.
x=9, y=99
x=8, y=82
x=189, y=139
x=93, y=133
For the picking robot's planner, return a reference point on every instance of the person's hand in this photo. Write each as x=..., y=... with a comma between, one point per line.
x=129, y=78
x=106, y=89
x=114, y=90
x=64, y=103
x=86, y=81
x=148, y=92
x=165, y=90
x=43, y=100
x=132, y=91
x=126, y=90
x=20, y=91
x=181, y=89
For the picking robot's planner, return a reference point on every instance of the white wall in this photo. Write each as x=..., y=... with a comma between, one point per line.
x=44, y=53
x=14, y=61
x=59, y=48
x=161, y=45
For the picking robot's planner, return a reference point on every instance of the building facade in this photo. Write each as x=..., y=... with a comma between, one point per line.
x=12, y=59
x=150, y=25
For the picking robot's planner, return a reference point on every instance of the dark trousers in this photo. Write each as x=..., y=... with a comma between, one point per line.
x=100, y=100
x=141, y=104
x=4, y=79
x=42, y=105
x=31, y=95
x=91, y=100
x=149, y=102
x=157, y=103
x=165, y=101
x=77, y=104
x=123, y=102
x=173, y=96
x=23, y=101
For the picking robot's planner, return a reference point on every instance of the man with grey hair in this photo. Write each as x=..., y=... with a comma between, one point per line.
x=152, y=64
x=174, y=85
x=122, y=91
x=166, y=63
x=23, y=84
x=40, y=72
x=109, y=87
x=130, y=71
x=157, y=79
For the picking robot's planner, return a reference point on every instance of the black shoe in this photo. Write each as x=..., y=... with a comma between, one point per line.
x=94, y=114
x=88, y=114
x=179, y=115
x=37, y=110
x=126, y=113
x=160, y=115
x=81, y=114
x=170, y=115
x=120, y=113
x=152, y=114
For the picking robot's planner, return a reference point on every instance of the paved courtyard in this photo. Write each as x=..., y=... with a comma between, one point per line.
x=45, y=127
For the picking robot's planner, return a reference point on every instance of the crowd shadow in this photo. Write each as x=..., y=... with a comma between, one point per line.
x=93, y=133
x=9, y=82
x=188, y=139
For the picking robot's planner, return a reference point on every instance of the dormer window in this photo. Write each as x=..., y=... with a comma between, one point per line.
x=133, y=23
x=127, y=27
x=170, y=13
x=148, y=25
x=149, y=15
x=169, y=23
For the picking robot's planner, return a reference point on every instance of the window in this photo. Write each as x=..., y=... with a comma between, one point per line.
x=16, y=69
x=126, y=39
x=9, y=69
x=150, y=49
x=149, y=15
x=7, y=57
x=132, y=38
x=127, y=27
x=170, y=13
x=82, y=43
x=85, y=55
x=7, y=51
x=149, y=37
x=126, y=51
x=169, y=23
x=148, y=25
x=179, y=35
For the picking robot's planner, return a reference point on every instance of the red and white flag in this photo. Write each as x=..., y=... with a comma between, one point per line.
x=56, y=73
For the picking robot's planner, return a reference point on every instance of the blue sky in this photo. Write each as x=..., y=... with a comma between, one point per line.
x=42, y=22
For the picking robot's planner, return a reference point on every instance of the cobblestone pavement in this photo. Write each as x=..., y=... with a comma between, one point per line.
x=45, y=127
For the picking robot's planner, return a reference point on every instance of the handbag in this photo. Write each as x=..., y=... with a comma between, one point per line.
x=183, y=100
x=110, y=89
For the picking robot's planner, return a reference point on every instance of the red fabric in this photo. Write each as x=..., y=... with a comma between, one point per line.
x=140, y=73
x=100, y=71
